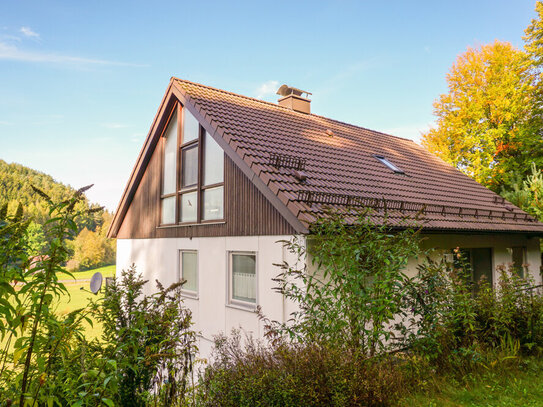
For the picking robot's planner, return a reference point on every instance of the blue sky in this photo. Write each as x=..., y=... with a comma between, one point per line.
x=80, y=82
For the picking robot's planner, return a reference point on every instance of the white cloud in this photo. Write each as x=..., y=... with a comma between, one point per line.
x=12, y=53
x=137, y=137
x=114, y=125
x=267, y=89
x=28, y=32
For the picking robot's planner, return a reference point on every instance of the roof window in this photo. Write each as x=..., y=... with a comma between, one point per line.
x=388, y=164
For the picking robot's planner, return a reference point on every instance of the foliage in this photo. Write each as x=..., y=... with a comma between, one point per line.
x=146, y=351
x=527, y=194
x=512, y=386
x=149, y=337
x=36, y=239
x=33, y=335
x=484, y=123
x=352, y=291
x=456, y=325
x=93, y=248
x=248, y=373
x=534, y=48
x=16, y=188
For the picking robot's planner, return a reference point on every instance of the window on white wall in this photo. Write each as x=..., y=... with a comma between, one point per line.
x=518, y=258
x=242, y=276
x=188, y=262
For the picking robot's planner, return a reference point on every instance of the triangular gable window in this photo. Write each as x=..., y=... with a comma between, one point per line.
x=193, y=172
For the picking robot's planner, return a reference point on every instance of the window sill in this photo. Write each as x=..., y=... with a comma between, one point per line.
x=190, y=295
x=249, y=307
x=186, y=225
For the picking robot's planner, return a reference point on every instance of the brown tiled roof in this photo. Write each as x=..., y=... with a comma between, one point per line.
x=342, y=169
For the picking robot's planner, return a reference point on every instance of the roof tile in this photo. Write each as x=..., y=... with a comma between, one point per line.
x=345, y=164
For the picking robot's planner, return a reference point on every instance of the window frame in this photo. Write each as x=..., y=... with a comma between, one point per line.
x=522, y=270
x=202, y=187
x=390, y=165
x=162, y=163
x=230, y=300
x=189, y=293
x=199, y=188
x=470, y=251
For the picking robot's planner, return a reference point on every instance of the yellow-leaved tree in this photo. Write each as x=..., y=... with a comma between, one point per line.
x=483, y=122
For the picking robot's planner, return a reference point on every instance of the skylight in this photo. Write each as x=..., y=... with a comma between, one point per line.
x=389, y=164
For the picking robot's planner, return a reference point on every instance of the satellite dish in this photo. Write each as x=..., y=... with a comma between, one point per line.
x=96, y=282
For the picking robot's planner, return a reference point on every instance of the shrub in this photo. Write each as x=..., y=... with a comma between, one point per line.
x=352, y=292
x=248, y=373
x=145, y=353
x=150, y=337
x=144, y=356
x=458, y=326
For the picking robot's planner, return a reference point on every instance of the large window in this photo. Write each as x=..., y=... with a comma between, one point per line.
x=242, y=278
x=193, y=172
x=188, y=265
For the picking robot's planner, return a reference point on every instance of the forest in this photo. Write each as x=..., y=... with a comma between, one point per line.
x=90, y=248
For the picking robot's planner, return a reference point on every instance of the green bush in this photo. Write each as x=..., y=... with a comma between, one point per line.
x=143, y=358
x=248, y=373
x=456, y=325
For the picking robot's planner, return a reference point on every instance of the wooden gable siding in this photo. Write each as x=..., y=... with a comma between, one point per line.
x=247, y=211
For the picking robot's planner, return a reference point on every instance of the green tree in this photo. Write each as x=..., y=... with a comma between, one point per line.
x=527, y=194
x=36, y=239
x=484, y=122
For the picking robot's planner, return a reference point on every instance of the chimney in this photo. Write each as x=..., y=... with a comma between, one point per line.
x=292, y=99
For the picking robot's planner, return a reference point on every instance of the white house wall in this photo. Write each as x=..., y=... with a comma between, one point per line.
x=159, y=259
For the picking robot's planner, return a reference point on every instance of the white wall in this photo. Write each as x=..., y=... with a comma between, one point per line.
x=159, y=259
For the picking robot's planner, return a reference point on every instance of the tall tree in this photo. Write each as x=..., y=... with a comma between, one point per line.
x=483, y=122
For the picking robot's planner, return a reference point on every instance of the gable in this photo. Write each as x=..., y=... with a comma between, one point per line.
x=243, y=209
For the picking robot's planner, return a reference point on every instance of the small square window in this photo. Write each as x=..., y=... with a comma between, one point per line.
x=189, y=166
x=242, y=278
x=213, y=203
x=189, y=207
x=168, y=210
x=188, y=263
x=389, y=164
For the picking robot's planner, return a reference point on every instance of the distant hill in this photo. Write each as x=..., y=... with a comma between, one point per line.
x=15, y=188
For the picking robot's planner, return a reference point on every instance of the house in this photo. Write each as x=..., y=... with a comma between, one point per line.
x=222, y=177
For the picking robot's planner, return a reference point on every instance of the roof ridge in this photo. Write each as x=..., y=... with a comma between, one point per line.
x=287, y=109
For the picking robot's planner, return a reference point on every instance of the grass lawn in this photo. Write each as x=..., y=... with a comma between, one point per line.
x=79, y=294
x=107, y=271
x=512, y=387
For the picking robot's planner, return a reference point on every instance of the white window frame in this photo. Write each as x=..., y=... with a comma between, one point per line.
x=232, y=302
x=184, y=292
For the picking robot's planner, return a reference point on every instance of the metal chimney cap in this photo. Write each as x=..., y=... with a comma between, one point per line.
x=286, y=90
